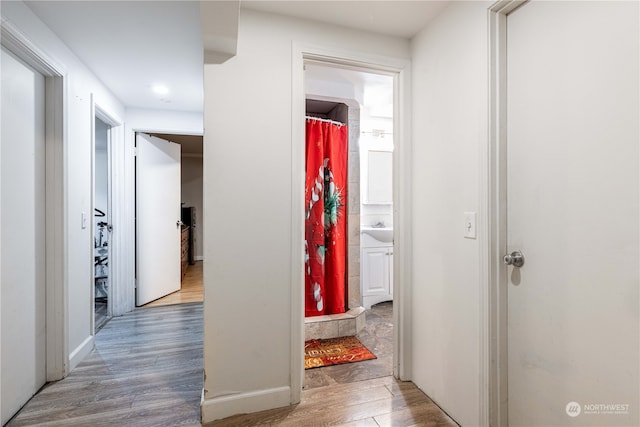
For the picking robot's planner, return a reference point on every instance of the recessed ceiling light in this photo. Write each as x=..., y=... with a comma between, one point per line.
x=161, y=89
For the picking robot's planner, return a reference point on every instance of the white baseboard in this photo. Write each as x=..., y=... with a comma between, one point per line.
x=221, y=407
x=80, y=352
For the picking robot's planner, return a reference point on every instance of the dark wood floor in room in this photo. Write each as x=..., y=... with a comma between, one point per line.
x=146, y=370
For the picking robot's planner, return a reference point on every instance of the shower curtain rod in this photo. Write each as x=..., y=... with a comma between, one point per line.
x=325, y=120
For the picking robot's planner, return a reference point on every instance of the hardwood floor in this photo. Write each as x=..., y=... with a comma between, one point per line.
x=146, y=370
x=380, y=402
x=192, y=289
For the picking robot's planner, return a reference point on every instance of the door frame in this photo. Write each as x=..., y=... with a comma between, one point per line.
x=400, y=69
x=115, y=138
x=494, y=406
x=125, y=215
x=56, y=268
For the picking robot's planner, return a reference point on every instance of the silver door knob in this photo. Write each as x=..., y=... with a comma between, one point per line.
x=515, y=258
x=179, y=223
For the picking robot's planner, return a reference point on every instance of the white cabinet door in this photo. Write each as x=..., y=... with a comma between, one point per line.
x=377, y=271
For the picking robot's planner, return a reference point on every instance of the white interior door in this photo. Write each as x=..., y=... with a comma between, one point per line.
x=22, y=234
x=157, y=218
x=572, y=210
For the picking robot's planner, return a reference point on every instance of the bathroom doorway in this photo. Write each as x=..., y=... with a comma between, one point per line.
x=363, y=100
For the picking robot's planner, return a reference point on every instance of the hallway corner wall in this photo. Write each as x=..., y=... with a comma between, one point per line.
x=450, y=128
x=248, y=210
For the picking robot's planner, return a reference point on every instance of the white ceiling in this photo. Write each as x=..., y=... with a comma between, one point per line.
x=391, y=17
x=133, y=45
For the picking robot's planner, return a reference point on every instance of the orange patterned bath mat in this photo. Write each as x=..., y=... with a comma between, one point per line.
x=333, y=351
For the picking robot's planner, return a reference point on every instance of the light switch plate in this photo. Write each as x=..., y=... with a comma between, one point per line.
x=470, y=225
x=84, y=220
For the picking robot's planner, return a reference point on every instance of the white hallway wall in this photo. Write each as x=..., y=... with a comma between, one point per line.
x=450, y=112
x=81, y=84
x=247, y=178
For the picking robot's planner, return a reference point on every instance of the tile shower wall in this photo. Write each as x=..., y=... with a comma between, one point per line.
x=353, y=221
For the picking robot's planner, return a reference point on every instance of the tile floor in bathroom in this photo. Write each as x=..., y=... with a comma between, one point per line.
x=377, y=336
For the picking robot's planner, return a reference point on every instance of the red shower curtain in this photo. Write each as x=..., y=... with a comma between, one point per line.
x=325, y=221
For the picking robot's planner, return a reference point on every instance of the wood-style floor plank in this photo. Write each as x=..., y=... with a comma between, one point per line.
x=146, y=370
x=377, y=402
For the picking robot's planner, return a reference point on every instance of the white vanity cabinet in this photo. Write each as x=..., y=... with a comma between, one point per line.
x=377, y=270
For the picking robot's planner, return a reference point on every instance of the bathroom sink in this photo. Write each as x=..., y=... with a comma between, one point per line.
x=382, y=234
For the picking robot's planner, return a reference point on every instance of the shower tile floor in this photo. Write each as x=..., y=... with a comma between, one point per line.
x=377, y=336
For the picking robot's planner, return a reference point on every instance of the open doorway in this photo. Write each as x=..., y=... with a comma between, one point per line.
x=363, y=101
x=101, y=224
x=189, y=286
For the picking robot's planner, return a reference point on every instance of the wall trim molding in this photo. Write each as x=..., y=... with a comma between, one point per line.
x=14, y=40
x=224, y=406
x=493, y=321
x=81, y=352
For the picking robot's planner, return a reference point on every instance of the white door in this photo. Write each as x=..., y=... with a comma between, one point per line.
x=157, y=218
x=22, y=234
x=572, y=210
